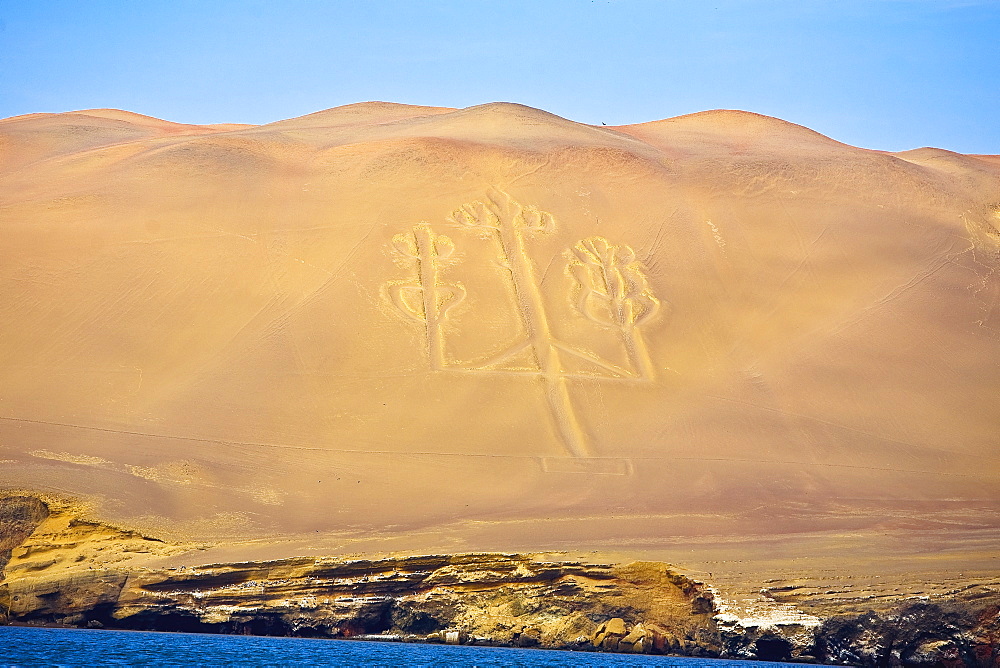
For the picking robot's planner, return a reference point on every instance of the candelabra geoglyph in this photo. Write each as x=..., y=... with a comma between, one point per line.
x=610, y=290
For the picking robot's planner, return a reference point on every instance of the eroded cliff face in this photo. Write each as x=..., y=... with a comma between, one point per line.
x=81, y=573
x=19, y=515
x=67, y=570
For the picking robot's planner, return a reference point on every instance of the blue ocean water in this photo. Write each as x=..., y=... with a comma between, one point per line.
x=20, y=646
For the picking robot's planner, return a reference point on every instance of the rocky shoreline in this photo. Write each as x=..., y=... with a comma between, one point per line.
x=61, y=569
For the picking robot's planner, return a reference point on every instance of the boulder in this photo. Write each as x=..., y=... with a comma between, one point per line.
x=531, y=636
x=616, y=626
x=634, y=641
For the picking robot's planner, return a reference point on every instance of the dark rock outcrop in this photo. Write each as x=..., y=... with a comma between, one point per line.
x=918, y=634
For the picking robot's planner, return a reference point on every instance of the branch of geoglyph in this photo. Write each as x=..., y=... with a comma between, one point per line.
x=500, y=210
x=613, y=291
x=427, y=299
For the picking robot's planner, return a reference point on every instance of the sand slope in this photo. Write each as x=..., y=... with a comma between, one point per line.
x=248, y=331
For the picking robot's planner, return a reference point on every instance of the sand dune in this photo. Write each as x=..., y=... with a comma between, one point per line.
x=362, y=113
x=36, y=137
x=383, y=318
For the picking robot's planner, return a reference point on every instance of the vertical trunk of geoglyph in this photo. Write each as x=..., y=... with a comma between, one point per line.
x=532, y=308
x=429, y=293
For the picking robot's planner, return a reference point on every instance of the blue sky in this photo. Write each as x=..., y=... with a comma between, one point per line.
x=887, y=74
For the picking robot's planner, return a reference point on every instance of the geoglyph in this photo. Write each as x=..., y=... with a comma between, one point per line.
x=611, y=290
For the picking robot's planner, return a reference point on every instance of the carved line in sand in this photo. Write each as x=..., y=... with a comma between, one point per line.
x=427, y=300
x=611, y=290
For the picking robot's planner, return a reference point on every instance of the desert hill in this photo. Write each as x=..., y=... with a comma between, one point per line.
x=498, y=327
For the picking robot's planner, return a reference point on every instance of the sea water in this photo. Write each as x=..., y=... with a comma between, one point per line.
x=21, y=646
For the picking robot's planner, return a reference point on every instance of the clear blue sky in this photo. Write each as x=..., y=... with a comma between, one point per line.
x=888, y=74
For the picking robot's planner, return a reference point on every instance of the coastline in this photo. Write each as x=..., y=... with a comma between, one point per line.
x=70, y=571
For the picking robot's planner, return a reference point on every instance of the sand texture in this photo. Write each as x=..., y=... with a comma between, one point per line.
x=384, y=327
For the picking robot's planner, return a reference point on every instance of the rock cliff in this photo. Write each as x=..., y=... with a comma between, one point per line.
x=63, y=569
x=80, y=573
